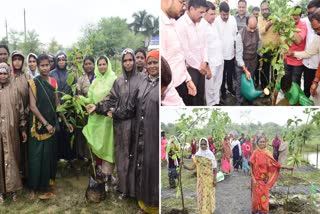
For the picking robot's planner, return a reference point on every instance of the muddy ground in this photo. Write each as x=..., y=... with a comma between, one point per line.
x=260, y=101
x=70, y=191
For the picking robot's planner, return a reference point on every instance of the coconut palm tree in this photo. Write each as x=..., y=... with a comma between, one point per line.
x=145, y=24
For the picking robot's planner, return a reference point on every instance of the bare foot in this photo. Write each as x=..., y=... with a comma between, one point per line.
x=14, y=196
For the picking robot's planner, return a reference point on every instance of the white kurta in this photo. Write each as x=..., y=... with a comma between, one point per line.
x=216, y=62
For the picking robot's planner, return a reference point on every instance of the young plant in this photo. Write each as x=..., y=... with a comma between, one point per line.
x=281, y=15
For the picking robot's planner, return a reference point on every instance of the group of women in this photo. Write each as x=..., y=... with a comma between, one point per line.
x=121, y=108
x=264, y=171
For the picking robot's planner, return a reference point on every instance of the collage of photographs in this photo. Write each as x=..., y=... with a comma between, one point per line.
x=239, y=116
x=160, y=106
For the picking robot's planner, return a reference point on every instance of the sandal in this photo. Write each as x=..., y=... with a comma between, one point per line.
x=47, y=195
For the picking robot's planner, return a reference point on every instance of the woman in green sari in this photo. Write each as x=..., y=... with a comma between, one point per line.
x=99, y=130
x=205, y=162
x=42, y=142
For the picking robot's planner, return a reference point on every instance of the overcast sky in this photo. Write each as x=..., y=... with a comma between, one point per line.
x=63, y=19
x=278, y=115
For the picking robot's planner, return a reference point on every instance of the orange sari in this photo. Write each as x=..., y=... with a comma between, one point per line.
x=265, y=170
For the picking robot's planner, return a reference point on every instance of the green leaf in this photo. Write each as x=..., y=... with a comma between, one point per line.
x=72, y=140
x=70, y=79
x=297, y=11
x=66, y=97
x=61, y=109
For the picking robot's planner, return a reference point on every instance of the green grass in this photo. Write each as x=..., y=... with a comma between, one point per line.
x=70, y=199
x=189, y=183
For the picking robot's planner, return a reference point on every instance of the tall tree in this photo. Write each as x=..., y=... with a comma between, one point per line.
x=32, y=44
x=146, y=24
x=110, y=36
x=54, y=46
x=15, y=39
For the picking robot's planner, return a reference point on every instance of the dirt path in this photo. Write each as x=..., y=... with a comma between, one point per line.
x=233, y=195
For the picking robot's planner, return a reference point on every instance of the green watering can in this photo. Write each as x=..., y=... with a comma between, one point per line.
x=247, y=89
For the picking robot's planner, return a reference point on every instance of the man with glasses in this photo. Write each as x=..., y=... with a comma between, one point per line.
x=247, y=45
x=194, y=47
x=171, y=48
x=268, y=36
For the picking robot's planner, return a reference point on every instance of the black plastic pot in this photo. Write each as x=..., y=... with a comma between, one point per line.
x=96, y=190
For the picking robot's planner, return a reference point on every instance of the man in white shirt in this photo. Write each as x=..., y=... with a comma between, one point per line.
x=171, y=48
x=193, y=43
x=227, y=29
x=215, y=57
x=310, y=65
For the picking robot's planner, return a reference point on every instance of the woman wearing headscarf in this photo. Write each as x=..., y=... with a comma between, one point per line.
x=20, y=79
x=52, y=62
x=264, y=173
x=145, y=150
x=32, y=65
x=173, y=158
x=246, y=149
x=99, y=129
x=13, y=123
x=236, y=152
x=123, y=90
x=226, y=155
x=283, y=151
x=83, y=84
x=205, y=163
x=276, y=144
x=60, y=74
x=193, y=147
x=4, y=53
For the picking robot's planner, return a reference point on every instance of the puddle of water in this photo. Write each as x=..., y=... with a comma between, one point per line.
x=312, y=158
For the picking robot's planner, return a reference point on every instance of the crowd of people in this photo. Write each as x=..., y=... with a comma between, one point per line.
x=237, y=153
x=121, y=130
x=211, y=57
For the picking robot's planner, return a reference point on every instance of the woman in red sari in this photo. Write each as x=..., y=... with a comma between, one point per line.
x=265, y=171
